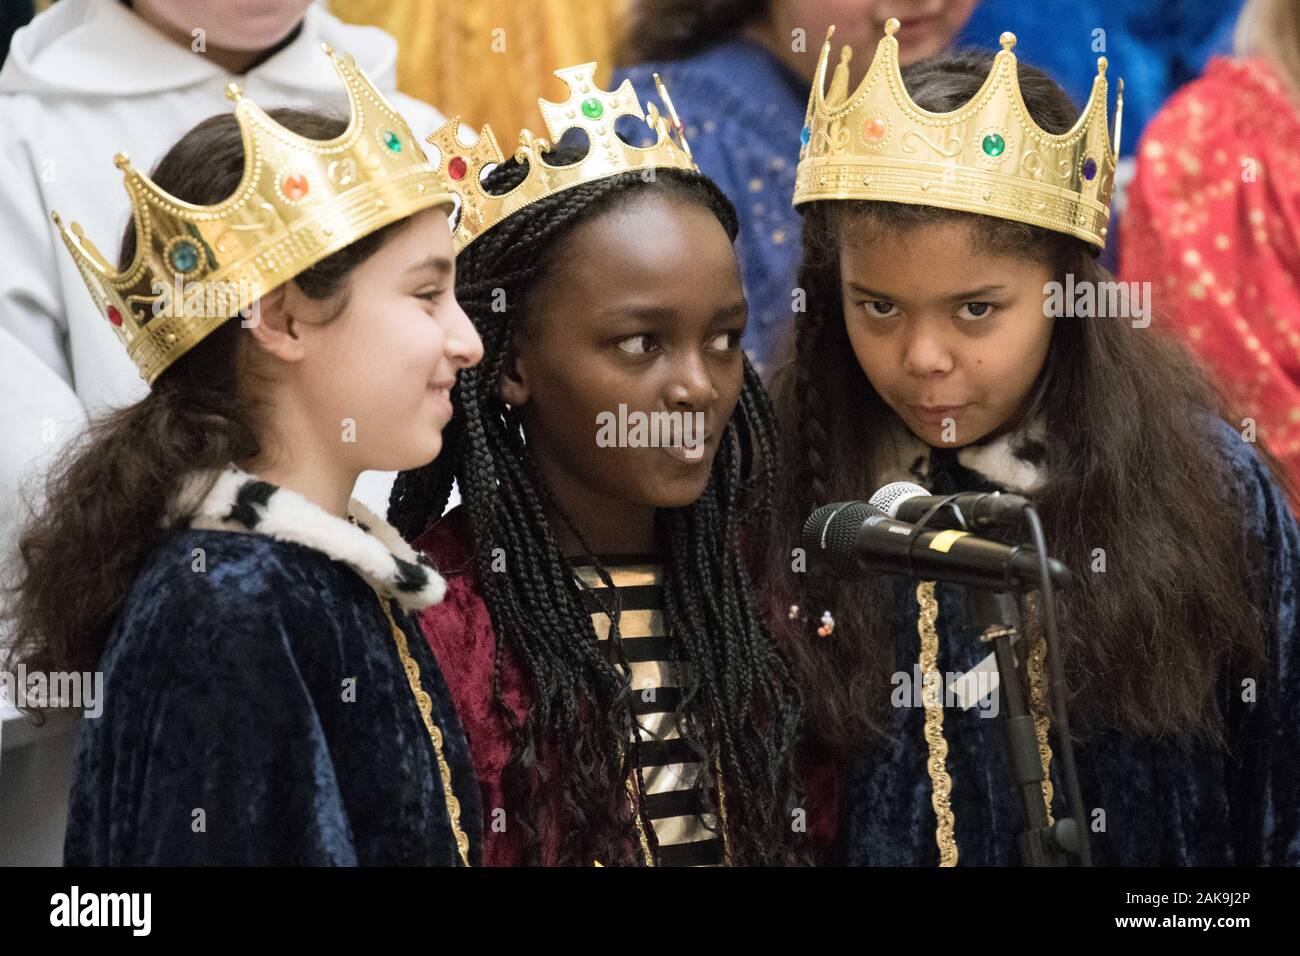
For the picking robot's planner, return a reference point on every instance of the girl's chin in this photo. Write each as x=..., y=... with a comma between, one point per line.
x=416, y=455
x=942, y=436
x=680, y=492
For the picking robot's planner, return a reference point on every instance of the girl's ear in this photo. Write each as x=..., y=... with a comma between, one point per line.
x=512, y=384
x=273, y=324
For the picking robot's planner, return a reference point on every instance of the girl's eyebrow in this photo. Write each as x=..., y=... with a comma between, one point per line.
x=863, y=290
x=964, y=296
x=983, y=290
x=650, y=313
x=438, y=264
x=656, y=313
x=739, y=307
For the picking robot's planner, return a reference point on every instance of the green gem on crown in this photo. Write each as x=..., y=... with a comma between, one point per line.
x=994, y=144
x=185, y=257
x=393, y=141
x=592, y=108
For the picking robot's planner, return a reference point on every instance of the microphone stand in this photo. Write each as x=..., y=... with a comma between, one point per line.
x=997, y=617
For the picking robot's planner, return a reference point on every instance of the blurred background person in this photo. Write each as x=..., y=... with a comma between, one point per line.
x=1214, y=222
x=742, y=68
x=1156, y=45
x=80, y=80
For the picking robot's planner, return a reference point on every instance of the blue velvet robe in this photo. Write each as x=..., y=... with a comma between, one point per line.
x=224, y=692
x=1167, y=802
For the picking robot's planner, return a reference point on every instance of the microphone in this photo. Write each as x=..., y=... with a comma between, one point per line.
x=855, y=539
x=972, y=509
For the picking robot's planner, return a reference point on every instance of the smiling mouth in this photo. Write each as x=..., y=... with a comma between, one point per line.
x=441, y=391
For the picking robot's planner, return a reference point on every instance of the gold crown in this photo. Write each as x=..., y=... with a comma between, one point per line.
x=299, y=201
x=987, y=157
x=588, y=108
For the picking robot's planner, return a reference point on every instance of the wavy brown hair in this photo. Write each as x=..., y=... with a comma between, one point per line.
x=105, y=497
x=1132, y=459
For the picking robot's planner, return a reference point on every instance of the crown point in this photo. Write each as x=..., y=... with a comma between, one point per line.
x=58, y=220
x=329, y=50
x=891, y=26
x=1102, y=63
x=234, y=92
x=1008, y=40
x=121, y=160
x=830, y=32
x=846, y=54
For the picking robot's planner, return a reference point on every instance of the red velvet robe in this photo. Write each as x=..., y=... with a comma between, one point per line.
x=460, y=632
x=1213, y=222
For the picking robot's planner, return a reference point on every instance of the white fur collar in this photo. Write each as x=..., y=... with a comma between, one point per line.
x=996, y=460
x=240, y=502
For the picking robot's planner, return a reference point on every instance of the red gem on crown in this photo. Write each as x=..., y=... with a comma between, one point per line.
x=295, y=187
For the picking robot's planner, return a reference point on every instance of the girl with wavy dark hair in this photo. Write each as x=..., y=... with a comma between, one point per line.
x=741, y=69
x=267, y=697
x=928, y=353
x=623, y=699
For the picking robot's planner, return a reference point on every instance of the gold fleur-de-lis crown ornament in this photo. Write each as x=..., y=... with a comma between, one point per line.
x=299, y=201
x=989, y=156
x=588, y=108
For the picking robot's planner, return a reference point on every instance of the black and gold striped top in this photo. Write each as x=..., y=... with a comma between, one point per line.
x=672, y=774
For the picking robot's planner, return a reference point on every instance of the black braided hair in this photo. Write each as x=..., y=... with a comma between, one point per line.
x=740, y=705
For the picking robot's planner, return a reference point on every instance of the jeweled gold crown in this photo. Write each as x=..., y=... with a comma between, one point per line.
x=987, y=157
x=299, y=201
x=588, y=108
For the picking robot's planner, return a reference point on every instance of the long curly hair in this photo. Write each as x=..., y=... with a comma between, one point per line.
x=105, y=497
x=741, y=707
x=1132, y=466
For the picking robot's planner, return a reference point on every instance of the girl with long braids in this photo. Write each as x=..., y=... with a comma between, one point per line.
x=285, y=287
x=947, y=207
x=622, y=698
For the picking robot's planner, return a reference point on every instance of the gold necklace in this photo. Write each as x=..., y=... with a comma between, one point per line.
x=425, y=703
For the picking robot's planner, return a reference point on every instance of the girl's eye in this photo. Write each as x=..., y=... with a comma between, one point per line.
x=879, y=308
x=430, y=295
x=725, y=341
x=637, y=344
x=975, y=310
